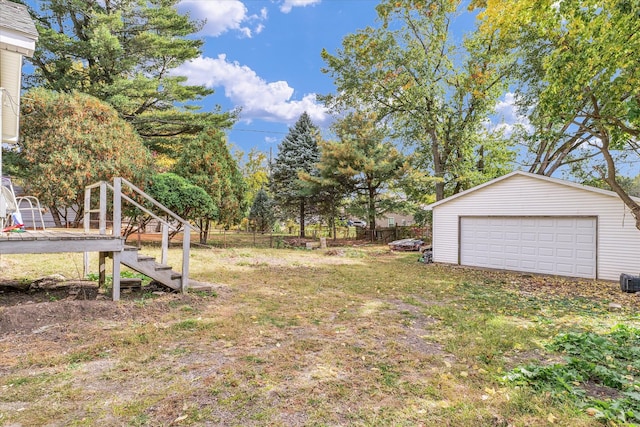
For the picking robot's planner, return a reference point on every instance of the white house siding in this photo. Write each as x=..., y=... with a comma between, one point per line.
x=520, y=195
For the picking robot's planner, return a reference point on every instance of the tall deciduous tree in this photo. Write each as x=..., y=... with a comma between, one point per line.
x=73, y=140
x=436, y=92
x=255, y=171
x=207, y=163
x=363, y=161
x=580, y=77
x=125, y=52
x=297, y=153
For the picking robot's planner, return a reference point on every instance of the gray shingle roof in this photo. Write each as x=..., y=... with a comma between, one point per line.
x=15, y=16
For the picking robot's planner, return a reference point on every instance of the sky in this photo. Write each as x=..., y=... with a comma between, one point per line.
x=263, y=56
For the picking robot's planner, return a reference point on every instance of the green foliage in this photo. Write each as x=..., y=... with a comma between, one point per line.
x=256, y=174
x=436, y=93
x=297, y=153
x=73, y=140
x=181, y=197
x=364, y=162
x=579, y=80
x=126, y=54
x=261, y=213
x=206, y=162
x=611, y=360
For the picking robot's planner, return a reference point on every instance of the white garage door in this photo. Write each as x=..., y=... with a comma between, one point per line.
x=548, y=245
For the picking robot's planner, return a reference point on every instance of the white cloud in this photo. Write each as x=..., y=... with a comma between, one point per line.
x=508, y=117
x=224, y=15
x=287, y=5
x=258, y=98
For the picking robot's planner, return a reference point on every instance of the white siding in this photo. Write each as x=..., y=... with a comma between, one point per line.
x=618, y=242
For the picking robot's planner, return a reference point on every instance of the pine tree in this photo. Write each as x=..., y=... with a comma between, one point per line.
x=364, y=163
x=125, y=53
x=262, y=212
x=297, y=153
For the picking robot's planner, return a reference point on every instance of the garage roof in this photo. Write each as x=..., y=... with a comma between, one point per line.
x=531, y=175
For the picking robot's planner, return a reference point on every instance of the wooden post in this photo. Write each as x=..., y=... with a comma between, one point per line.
x=87, y=227
x=116, y=276
x=117, y=224
x=165, y=243
x=103, y=208
x=186, y=245
x=102, y=274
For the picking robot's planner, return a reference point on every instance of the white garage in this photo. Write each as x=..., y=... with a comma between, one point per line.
x=531, y=223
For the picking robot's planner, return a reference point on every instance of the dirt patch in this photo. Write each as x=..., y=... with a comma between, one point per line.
x=35, y=308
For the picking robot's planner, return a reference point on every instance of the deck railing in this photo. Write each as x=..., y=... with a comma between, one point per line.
x=118, y=197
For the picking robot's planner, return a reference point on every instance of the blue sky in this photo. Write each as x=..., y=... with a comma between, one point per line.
x=264, y=57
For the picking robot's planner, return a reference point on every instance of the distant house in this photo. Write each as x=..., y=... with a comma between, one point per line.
x=392, y=219
x=533, y=223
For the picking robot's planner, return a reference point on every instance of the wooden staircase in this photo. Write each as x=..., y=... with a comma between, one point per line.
x=148, y=266
x=129, y=256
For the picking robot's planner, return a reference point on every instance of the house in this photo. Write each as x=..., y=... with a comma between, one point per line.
x=393, y=219
x=533, y=223
x=18, y=36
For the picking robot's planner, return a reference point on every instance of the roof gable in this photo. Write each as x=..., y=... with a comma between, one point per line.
x=18, y=32
x=530, y=176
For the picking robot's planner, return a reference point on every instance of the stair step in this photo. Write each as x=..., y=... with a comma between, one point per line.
x=130, y=248
x=160, y=267
x=130, y=282
x=175, y=276
x=145, y=258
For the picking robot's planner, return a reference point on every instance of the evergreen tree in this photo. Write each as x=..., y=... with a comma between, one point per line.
x=207, y=163
x=298, y=153
x=262, y=212
x=123, y=52
x=363, y=162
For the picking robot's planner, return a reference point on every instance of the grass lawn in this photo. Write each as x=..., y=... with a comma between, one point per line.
x=346, y=336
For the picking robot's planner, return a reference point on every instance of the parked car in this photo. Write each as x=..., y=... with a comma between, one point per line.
x=357, y=223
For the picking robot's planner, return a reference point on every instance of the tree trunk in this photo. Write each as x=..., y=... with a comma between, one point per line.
x=204, y=231
x=56, y=216
x=302, y=218
x=610, y=178
x=372, y=213
x=438, y=167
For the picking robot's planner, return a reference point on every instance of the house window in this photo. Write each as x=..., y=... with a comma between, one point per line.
x=392, y=222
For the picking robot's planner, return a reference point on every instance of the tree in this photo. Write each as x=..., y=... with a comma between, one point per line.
x=579, y=77
x=177, y=194
x=206, y=162
x=297, y=153
x=363, y=161
x=256, y=174
x=436, y=94
x=125, y=52
x=261, y=213
x=71, y=141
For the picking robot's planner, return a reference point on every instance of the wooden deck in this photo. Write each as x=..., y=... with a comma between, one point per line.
x=56, y=241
